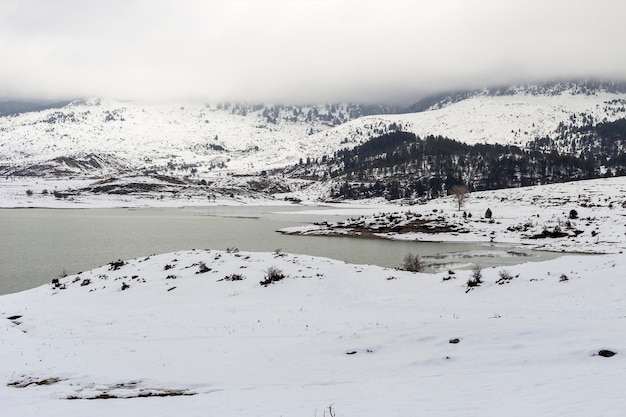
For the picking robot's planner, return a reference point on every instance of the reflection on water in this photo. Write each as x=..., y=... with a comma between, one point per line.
x=496, y=255
x=38, y=245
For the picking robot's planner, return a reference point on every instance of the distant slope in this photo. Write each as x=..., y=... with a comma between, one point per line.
x=241, y=139
x=232, y=138
x=507, y=116
x=584, y=87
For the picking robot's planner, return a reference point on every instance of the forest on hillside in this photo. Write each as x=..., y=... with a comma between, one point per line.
x=402, y=165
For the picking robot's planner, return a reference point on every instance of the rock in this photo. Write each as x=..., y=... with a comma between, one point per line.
x=605, y=353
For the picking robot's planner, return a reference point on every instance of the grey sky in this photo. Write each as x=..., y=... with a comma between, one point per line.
x=305, y=51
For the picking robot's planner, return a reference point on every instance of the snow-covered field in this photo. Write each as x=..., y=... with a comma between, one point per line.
x=195, y=333
x=590, y=214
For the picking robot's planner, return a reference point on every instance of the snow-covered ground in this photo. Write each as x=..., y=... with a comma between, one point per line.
x=24, y=192
x=590, y=214
x=195, y=333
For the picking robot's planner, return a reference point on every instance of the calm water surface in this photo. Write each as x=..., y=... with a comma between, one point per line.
x=37, y=245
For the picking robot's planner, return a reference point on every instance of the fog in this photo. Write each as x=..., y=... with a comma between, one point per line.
x=300, y=51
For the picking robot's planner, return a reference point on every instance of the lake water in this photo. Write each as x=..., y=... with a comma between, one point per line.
x=37, y=245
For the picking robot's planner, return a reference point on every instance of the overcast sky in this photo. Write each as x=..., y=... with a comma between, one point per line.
x=300, y=50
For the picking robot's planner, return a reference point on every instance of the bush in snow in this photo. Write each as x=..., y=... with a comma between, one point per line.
x=272, y=275
x=505, y=276
x=233, y=277
x=115, y=265
x=573, y=214
x=203, y=268
x=488, y=214
x=412, y=263
x=476, y=278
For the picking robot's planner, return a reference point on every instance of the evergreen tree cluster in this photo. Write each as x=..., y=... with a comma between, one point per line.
x=402, y=165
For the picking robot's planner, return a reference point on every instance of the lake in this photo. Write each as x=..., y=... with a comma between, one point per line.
x=37, y=245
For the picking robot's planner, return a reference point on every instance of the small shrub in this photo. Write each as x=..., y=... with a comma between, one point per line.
x=85, y=282
x=232, y=250
x=412, y=263
x=573, y=214
x=488, y=214
x=505, y=276
x=171, y=277
x=477, y=273
x=167, y=267
x=272, y=275
x=472, y=283
x=44, y=192
x=477, y=277
x=563, y=278
x=233, y=277
x=29, y=192
x=203, y=268
x=115, y=265
x=125, y=286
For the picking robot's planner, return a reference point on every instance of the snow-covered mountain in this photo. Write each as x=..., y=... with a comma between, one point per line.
x=103, y=136
x=235, y=138
x=513, y=115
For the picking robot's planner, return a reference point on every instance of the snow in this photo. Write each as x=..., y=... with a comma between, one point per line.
x=163, y=335
x=361, y=339
x=141, y=135
x=217, y=141
x=513, y=120
x=519, y=215
x=13, y=194
x=175, y=333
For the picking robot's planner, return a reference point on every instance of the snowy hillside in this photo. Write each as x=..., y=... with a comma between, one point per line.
x=197, y=332
x=515, y=119
x=232, y=138
x=100, y=136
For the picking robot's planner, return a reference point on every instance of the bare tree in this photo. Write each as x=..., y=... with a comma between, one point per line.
x=412, y=263
x=461, y=194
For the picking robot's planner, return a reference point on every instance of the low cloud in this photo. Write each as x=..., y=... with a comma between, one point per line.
x=300, y=51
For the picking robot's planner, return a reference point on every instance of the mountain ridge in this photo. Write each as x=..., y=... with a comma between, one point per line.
x=225, y=139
